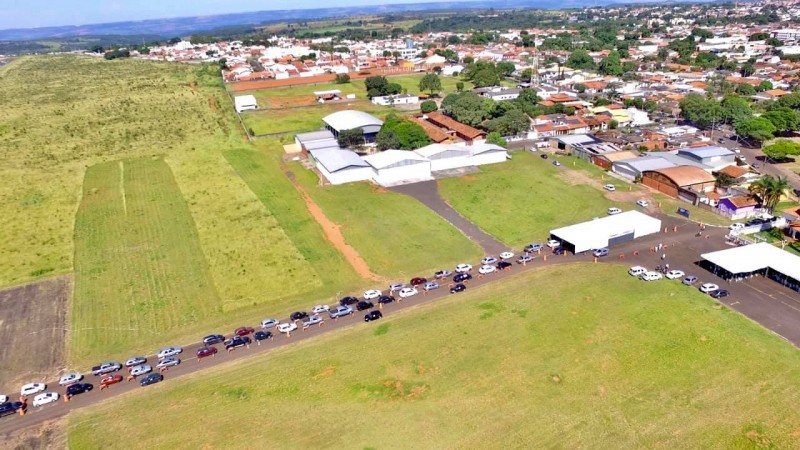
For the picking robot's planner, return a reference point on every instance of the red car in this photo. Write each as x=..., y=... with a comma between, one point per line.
x=244, y=331
x=418, y=281
x=108, y=380
x=206, y=351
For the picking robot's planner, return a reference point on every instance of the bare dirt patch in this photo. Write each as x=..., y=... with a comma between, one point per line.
x=212, y=102
x=333, y=234
x=47, y=435
x=33, y=330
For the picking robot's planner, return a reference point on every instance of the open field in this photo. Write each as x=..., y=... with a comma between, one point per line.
x=643, y=365
x=306, y=118
x=262, y=172
x=34, y=327
x=48, y=435
x=669, y=205
x=139, y=268
x=395, y=234
x=521, y=200
x=304, y=94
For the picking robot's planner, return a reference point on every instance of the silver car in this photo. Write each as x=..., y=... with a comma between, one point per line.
x=168, y=362
x=141, y=370
x=431, y=285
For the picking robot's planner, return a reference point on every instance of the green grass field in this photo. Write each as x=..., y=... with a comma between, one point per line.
x=521, y=200
x=90, y=112
x=642, y=365
x=396, y=235
x=306, y=118
x=262, y=172
x=139, y=268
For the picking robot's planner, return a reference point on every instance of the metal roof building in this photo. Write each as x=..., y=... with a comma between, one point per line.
x=351, y=119
x=392, y=167
x=606, y=231
x=340, y=166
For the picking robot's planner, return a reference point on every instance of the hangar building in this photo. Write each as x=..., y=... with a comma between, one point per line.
x=606, y=231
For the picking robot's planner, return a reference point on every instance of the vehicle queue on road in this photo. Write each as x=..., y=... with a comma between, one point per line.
x=169, y=356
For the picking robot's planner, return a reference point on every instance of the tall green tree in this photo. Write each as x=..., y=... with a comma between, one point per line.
x=757, y=128
x=580, y=59
x=351, y=138
x=782, y=149
x=736, y=108
x=770, y=190
x=467, y=107
x=784, y=119
x=497, y=139
x=611, y=65
x=430, y=82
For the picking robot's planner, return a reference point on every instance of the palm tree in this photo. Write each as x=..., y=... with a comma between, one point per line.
x=770, y=190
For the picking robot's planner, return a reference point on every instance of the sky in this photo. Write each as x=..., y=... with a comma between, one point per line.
x=45, y=13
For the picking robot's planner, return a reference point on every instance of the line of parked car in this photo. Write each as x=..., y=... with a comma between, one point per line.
x=674, y=274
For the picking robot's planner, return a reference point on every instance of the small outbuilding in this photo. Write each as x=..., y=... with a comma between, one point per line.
x=245, y=103
x=605, y=232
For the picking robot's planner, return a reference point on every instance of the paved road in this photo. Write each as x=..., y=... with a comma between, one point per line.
x=762, y=300
x=427, y=192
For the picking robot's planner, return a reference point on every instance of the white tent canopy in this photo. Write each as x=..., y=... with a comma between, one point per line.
x=755, y=257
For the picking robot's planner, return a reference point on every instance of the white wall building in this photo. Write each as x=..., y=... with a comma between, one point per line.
x=341, y=166
x=245, y=103
x=392, y=167
x=606, y=232
x=399, y=99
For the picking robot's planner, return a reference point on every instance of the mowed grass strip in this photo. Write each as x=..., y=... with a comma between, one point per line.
x=262, y=173
x=545, y=359
x=521, y=200
x=395, y=234
x=139, y=268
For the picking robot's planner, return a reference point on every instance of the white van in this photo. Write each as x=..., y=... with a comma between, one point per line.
x=637, y=271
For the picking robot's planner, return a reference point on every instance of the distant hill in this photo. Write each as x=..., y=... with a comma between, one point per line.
x=184, y=26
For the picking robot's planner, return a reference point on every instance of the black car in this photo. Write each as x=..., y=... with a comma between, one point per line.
x=386, y=299
x=458, y=288
x=261, y=335
x=503, y=265
x=298, y=315
x=460, y=277
x=559, y=251
x=213, y=339
x=8, y=408
x=364, y=304
x=348, y=301
x=720, y=293
x=153, y=378
x=237, y=341
x=373, y=315
x=79, y=388
x=544, y=155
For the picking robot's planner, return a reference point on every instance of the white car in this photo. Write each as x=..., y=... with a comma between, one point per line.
x=45, y=398
x=651, y=276
x=611, y=211
x=313, y=320
x=32, y=388
x=287, y=327
x=169, y=351
x=736, y=226
x=69, y=378
x=269, y=323
x=372, y=294
x=462, y=268
x=708, y=287
x=609, y=187
x=3, y=398
x=484, y=269
x=506, y=255
x=168, y=362
x=489, y=260
x=320, y=309
x=135, y=361
x=553, y=243
x=408, y=292
x=637, y=271
x=673, y=274
x=141, y=370
x=643, y=203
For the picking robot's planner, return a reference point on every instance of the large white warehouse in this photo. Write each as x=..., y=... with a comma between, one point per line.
x=606, y=231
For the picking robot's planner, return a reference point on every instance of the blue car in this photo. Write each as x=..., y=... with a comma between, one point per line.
x=600, y=252
x=153, y=378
